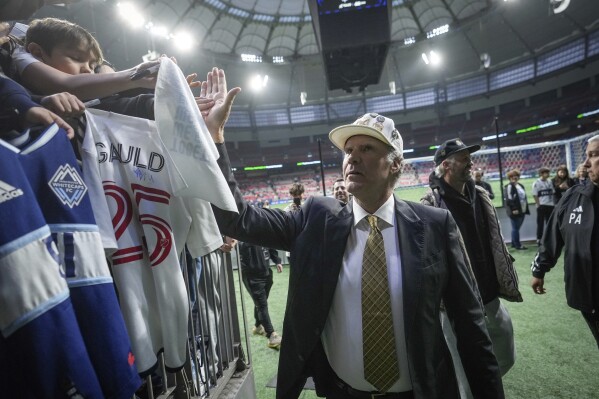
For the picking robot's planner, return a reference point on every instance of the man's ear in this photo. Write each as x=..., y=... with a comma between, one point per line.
x=445, y=164
x=36, y=50
x=396, y=165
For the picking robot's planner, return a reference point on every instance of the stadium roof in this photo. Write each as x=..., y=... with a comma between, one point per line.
x=508, y=31
x=541, y=66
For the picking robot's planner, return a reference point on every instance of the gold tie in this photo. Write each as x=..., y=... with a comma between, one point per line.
x=380, y=358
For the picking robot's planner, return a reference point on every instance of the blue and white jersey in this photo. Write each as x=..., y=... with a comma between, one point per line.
x=56, y=181
x=42, y=353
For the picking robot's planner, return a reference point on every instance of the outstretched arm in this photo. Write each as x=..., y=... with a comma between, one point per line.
x=45, y=80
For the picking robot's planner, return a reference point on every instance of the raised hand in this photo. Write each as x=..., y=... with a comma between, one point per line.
x=216, y=115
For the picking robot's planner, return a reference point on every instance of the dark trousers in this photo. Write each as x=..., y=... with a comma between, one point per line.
x=592, y=320
x=543, y=213
x=516, y=224
x=259, y=289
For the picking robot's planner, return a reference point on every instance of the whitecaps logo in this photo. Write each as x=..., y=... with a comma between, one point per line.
x=68, y=185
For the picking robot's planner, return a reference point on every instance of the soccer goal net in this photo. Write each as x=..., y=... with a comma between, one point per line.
x=527, y=158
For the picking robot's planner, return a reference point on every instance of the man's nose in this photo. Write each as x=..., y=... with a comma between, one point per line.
x=85, y=68
x=352, y=158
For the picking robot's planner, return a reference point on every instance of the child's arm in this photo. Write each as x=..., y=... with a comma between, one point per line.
x=45, y=80
x=12, y=95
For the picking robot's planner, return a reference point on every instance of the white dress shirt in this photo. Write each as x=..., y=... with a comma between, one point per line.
x=342, y=334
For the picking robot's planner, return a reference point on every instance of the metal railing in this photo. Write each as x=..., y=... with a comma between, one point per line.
x=216, y=352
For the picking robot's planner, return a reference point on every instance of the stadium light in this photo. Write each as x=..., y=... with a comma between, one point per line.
x=392, y=87
x=258, y=82
x=437, y=31
x=432, y=58
x=585, y=114
x=183, y=41
x=262, y=167
x=251, y=58
x=537, y=127
x=303, y=97
x=129, y=13
x=307, y=163
x=158, y=30
x=494, y=136
x=485, y=60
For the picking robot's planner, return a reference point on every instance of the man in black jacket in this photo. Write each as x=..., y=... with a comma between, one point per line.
x=257, y=278
x=574, y=225
x=452, y=188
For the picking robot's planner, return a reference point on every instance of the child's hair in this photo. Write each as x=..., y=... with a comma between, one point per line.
x=52, y=32
x=514, y=172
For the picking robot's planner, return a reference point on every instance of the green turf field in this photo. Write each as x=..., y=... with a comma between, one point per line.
x=557, y=357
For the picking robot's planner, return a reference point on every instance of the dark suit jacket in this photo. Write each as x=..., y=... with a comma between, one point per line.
x=433, y=269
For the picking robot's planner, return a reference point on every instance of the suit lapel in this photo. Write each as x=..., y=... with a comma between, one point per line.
x=410, y=230
x=336, y=231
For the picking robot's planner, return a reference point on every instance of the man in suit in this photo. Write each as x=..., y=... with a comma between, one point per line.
x=330, y=243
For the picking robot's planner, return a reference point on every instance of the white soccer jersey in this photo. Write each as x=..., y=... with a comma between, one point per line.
x=150, y=227
x=204, y=236
x=188, y=140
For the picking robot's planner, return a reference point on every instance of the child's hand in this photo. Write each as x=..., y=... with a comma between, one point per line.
x=191, y=81
x=148, y=80
x=41, y=116
x=64, y=104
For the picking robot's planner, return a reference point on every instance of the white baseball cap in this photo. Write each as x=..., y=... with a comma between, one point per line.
x=373, y=125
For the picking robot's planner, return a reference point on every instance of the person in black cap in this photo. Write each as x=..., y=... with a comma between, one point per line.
x=452, y=188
